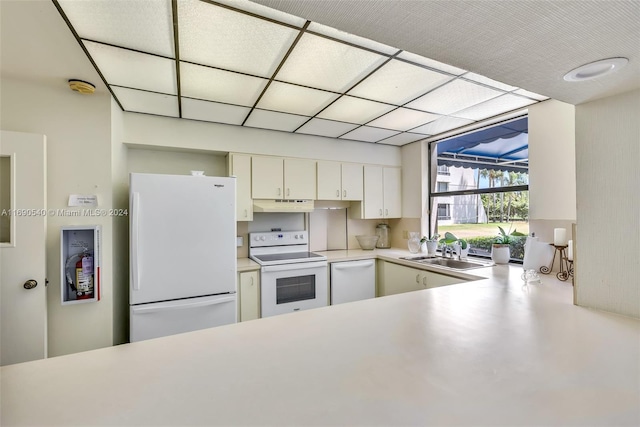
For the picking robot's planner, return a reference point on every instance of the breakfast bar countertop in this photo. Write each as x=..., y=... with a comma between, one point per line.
x=485, y=352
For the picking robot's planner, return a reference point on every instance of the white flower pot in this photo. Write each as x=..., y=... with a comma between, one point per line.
x=500, y=254
x=432, y=247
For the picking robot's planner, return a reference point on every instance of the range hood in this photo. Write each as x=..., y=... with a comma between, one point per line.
x=283, y=206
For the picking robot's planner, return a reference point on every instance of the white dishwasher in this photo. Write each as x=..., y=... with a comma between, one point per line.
x=353, y=280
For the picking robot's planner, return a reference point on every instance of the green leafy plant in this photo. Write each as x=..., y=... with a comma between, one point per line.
x=505, y=238
x=433, y=238
x=450, y=238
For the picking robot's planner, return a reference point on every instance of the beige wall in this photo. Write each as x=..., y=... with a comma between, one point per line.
x=78, y=132
x=608, y=225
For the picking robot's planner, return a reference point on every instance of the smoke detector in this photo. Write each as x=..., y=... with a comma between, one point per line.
x=81, y=86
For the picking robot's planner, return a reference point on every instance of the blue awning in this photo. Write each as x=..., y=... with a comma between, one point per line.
x=504, y=147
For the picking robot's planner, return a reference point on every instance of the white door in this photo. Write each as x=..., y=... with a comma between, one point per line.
x=373, y=188
x=392, y=193
x=183, y=237
x=267, y=175
x=300, y=179
x=353, y=281
x=176, y=317
x=22, y=247
x=329, y=181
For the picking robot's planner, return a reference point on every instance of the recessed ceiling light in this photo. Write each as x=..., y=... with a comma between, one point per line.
x=595, y=69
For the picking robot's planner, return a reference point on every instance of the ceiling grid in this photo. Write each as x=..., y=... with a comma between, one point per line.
x=241, y=63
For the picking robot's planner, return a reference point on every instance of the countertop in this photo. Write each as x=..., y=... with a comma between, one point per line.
x=485, y=352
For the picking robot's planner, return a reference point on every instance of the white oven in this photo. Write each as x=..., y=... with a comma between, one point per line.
x=291, y=277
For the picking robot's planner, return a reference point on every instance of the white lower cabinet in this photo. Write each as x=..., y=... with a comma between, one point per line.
x=396, y=279
x=249, y=299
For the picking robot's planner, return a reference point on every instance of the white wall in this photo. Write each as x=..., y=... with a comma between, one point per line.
x=78, y=162
x=608, y=226
x=175, y=162
x=552, y=173
x=154, y=131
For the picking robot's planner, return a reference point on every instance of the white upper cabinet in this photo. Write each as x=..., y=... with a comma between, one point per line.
x=392, y=192
x=299, y=179
x=352, y=181
x=340, y=181
x=278, y=178
x=240, y=167
x=267, y=177
x=382, y=193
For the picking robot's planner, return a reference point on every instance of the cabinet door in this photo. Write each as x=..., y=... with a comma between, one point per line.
x=373, y=188
x=266, y=177
x=396, y=279
x=392, y=193
x=434, y=280
x=240, y=167
x=329, y=179
x=249, y=296
x=352, y=181
x=299, y=179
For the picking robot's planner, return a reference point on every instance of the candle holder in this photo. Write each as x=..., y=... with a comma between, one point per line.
x=566, y=269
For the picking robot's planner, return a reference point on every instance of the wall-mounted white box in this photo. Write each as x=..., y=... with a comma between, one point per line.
x=80, y=264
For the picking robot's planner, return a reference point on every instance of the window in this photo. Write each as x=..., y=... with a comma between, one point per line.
x=488, y=186
x=443, y=211
x=443, y=170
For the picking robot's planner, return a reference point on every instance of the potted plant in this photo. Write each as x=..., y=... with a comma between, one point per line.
x=432, y=243
x=460, y=246
x=501, y=249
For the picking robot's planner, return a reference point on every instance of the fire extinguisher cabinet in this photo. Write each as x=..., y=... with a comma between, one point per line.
x=80, y=278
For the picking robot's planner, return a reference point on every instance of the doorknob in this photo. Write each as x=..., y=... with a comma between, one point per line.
x=30, y=284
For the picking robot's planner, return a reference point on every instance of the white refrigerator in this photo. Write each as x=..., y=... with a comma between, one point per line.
x=182, y=231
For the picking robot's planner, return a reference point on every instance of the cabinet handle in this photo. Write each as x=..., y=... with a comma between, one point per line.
x=337, y=193
x=380, y=212
x=344, y=193
x=246, y=214
x=424, y=281
x=386, y=212
x=288, y=192
x=279, y=191
x=417, y=278
x=251, y=284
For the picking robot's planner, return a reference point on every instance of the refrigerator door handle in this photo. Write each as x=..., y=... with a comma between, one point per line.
x=181, y=305
x=135, y=243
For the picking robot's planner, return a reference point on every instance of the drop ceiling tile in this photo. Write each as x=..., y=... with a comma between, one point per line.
x=146, y=102
x=326, y=64
x=324, y=127
x=494, y=107
x=453, y=96
x=443, y=124
x=485, y=80
x=398, y=82
x=295, y=99
x=403, y=119
x=122, y=67
x=354, y=110
x=531, y=95
x=402, y=139
x=223, y=38
x=369, y=134
x=211, y=84
x=431, y=63
x=213, y=111
x=350, y=38
x=265, y=11
x=274, y=120
x=142, y=25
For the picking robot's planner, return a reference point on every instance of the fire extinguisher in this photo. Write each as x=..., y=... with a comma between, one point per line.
x=82, y=279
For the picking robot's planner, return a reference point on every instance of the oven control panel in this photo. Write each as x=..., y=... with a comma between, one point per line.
x=278, y=238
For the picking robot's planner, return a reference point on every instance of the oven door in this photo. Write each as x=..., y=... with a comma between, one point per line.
x=292, y=287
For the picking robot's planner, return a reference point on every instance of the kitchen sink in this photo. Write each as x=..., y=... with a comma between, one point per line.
x=449, y=262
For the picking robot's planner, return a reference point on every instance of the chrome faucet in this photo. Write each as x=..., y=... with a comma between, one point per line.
x=444, y=250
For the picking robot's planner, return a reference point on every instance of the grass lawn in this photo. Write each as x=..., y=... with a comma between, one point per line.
x=463, y=231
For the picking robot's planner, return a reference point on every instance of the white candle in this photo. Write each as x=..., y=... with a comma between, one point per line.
x=560, y=236
x=570, y=251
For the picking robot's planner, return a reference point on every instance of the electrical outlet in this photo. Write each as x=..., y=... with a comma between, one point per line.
x=239, y=241
x=405, y=234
